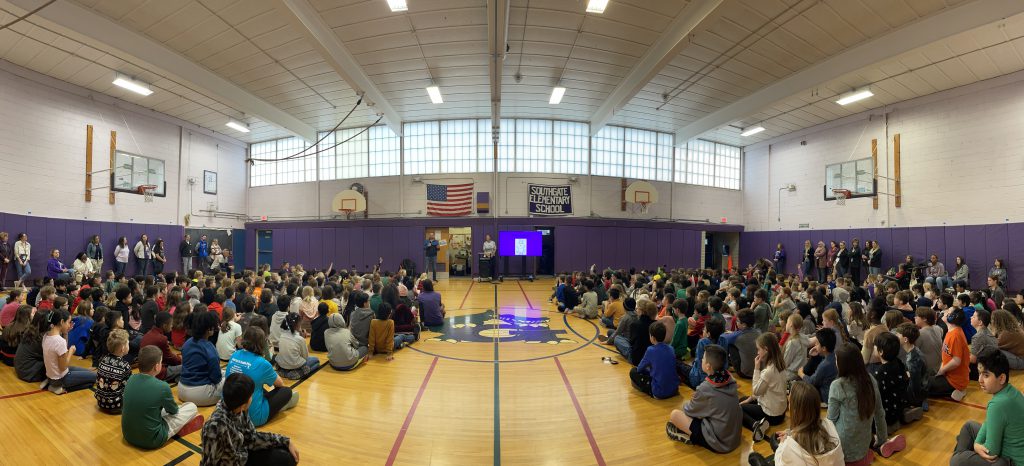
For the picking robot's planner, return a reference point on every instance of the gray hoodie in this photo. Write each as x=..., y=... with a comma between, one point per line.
x=342, y=348
x=718, y=409
x=359, y=322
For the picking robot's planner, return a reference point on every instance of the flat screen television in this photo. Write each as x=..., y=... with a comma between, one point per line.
x=519, y=243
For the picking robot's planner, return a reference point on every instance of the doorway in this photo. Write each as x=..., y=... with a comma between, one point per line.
x=264, y=248
x=454, y=255
x=721, y=250
x=546, y=262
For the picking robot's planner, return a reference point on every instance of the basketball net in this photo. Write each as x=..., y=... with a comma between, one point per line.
x=147, y=192
x=348, y=213
x=840, y=195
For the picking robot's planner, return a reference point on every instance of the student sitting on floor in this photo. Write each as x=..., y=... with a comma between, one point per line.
x=767, y=403
x=112, y=373
x=13, y=333
x=360, y=318
x=820, y=370
x=952, y=377
x=383, y=339
x=854, y=405
x=248, y=360
x=1000, y=440
x=81, y=324
x=157, y=336
x=319, y=325
x=639, y=331
x=201, y=377
x=810, y=439
x=293, y=358
x=588, y=302
x=742, y=344
x=982, y=338
x=1009, y=337
x=694, y=375
x=930, y=341
x=656, y=374
x=150, y=416
x=613, y=309
x=60, y=375
x=794, y=350
x=230, y=439
x=679, y=340
x=919, y=376
x=712, y=418
x=343, y=351
x=892, y=379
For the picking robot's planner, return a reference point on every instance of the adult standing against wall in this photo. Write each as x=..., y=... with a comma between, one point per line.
x=159, y=257
x=187, y=253
x=22, y=253
x=821, y=261
x=808, y=259
x=842, y=260
x=94, y=251
x=121, y=252
x=143, y=255
x=202, y=252
x=6, y=254
x=779, y=260
x=855, y=261
x=430, y=247
x=875, y=258
x=833, y=252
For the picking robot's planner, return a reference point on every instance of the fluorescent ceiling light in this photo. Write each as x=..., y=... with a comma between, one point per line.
x=435, y=94
x=854, y=96
x=752, y=131
x=596, y=6
x=398, y=5
x=556, y=95
x=237, y=126
x=137, y=87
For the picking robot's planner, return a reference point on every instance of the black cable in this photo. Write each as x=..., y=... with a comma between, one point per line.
x=322, y=150
x=335, y=128
x=26, y=15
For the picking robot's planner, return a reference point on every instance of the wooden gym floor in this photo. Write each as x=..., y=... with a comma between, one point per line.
x=477, y=394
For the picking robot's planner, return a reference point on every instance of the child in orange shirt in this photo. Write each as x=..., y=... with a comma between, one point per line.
x=953, y=375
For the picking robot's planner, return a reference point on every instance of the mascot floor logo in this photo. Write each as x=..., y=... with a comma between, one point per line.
x=483, y=327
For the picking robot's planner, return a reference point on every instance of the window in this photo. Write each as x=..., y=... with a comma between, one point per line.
x=606, y=152
x=709, y=164
x=570, y=146
x=507, y=146
x=295, y=170
x=458, y=146
x=648, y=155
x=484, y=146
x=385, y=152
x=422, y=151
x=727, y=166
x=353, y=153
x=533, y=146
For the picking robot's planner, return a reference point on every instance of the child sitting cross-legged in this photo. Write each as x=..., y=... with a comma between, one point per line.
x=230, y=439
x=1000, y=440
x=892, y=380
x=810, y=439
x=150, y=416
x=656, y=374
x=712, y=418
x=767, y=403
x=112, y=373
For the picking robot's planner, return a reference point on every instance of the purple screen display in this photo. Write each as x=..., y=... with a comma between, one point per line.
x=519, y=243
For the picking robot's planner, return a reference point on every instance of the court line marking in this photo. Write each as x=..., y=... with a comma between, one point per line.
x=565, y=319
x=307, y=376
x=408, y=417
x=963, y=403
x=180, y=458
x=188, y=444
x=497, y=385
x=529, y=305
x=463, y=303
x=489, y=361
x=33, y=392
x=583, y=417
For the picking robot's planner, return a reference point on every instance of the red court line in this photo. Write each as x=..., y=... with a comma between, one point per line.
x=583, y=417
x=529, y=305
x=408, y=417
x=463, y=303
x=965, y=403
x=21, y=394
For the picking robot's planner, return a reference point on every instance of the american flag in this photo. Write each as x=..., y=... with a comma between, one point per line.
x=449, y=200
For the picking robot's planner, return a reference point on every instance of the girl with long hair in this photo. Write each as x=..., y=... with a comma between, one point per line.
x=767, y=403
x=854, y=405
x=810, y=440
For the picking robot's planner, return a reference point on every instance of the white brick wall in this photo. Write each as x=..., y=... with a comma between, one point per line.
x=962, y=163
x=42, y=149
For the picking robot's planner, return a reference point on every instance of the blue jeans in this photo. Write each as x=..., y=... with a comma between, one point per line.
x=622, y=344
x=608, y=322
x=432, y=267
x=941, y=282
x=406, y=338
x=78, y=378
x=119, y=267
x=141, y=266
x=874, y=270
x=23, y=271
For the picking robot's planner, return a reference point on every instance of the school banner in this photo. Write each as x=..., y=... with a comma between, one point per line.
x=550, y=200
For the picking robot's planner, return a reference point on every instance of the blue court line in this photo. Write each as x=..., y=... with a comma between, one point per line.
x=497, y=386
x=565, y=319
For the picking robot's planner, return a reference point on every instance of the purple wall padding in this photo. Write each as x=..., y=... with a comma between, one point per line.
x=980, y=245
x=70, y=237
x=579, y=242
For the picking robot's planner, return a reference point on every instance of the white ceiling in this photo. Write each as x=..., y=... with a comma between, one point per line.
x=281, y=72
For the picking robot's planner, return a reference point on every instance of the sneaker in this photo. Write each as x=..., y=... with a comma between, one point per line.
x=924, y=406
x=760, y=429
x=893, y=445
x=43, y=384
x=675, y=434
x=913, y=414
x=602, y=338
x=191, y=426
x=958, y=395
x=57, y=390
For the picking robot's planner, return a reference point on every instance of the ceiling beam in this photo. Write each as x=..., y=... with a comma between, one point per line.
x=497, y=40
x=946, y=23
x=312, y=25
x=659, y=55
x=164, y=61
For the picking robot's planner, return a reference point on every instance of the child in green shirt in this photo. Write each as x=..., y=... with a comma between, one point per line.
x=150, y=416
x=679, y=333
x=1000, y=440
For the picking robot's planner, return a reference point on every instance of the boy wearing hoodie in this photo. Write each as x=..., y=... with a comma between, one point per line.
x=712, y=418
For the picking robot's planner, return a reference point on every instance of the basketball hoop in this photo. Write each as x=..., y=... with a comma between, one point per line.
x=347, y=212
x=147, y=190
x=841, y=195
x=644, y=206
